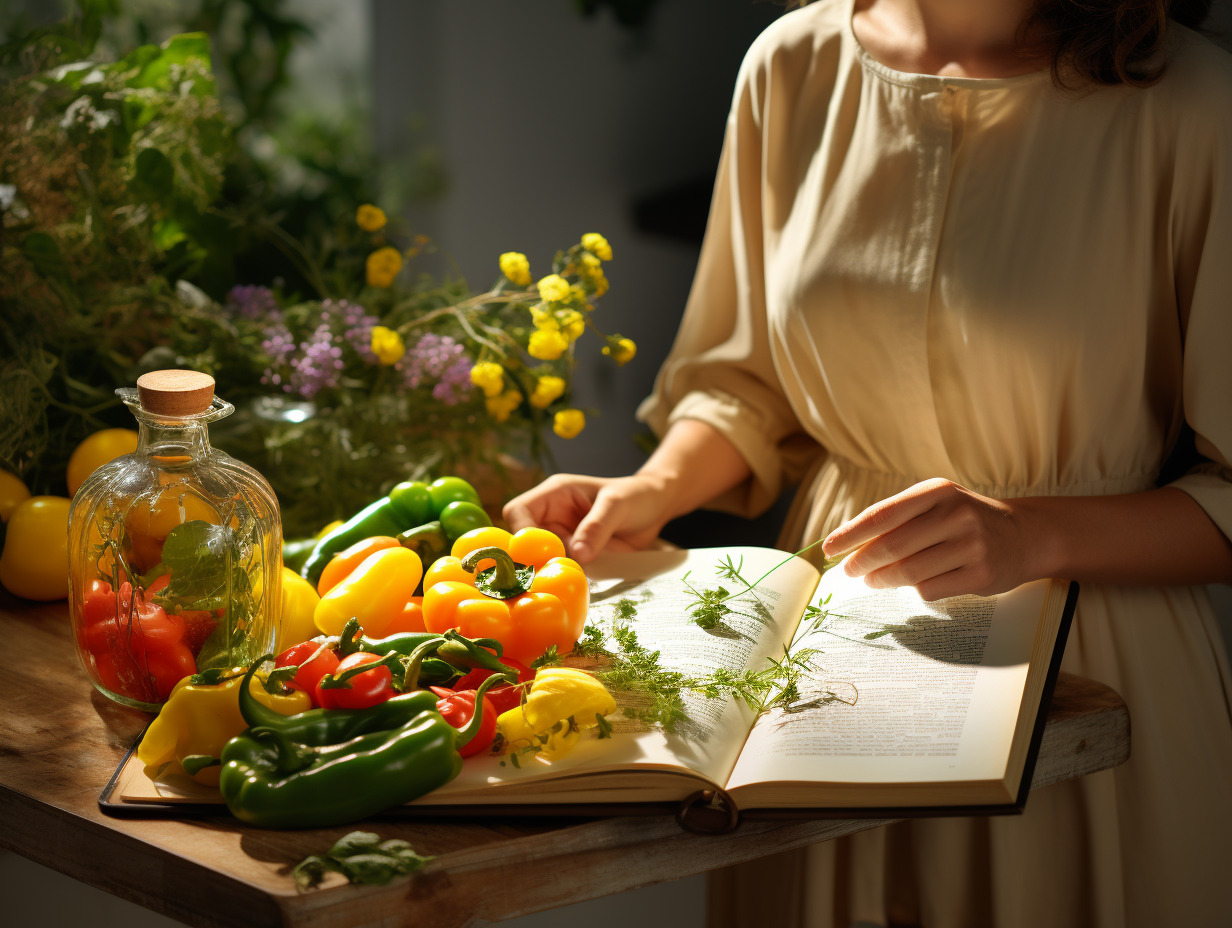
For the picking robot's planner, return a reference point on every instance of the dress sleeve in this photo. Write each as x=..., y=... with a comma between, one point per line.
x=720, y=369
x=1202, y=253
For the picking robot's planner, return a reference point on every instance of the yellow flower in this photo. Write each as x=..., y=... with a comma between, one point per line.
x=599, y=282
x=489, y=377
x=387, y=345
x=597, y=245
x=548, y=390
x=553, y=289
x=544, y=318
x=500, y=407
x=621, y=350
x=370, y=218
x=547, y=345
x=513, y=264
x=383, y=266
x=572, y=324
x=591, y=263
x=568, y=422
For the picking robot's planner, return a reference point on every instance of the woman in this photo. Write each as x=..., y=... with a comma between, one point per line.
x=967, y=276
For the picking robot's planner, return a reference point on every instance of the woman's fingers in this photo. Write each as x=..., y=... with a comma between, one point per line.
x=885, y=516
x=917, y=568
x=915, y=536
x=940, y=538
x=597, y=527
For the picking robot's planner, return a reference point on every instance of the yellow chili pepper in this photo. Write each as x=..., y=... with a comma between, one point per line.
x=375, y=593
x=563, y=695
x=198, y=719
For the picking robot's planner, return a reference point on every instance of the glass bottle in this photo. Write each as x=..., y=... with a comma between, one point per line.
x=175, y=551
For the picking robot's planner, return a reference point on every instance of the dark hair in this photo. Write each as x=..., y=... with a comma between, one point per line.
x=1110, y=41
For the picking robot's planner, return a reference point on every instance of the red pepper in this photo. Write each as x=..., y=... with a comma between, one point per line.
x=457, y=707
x=367, y=687
x=311, y=669
x=505, y=697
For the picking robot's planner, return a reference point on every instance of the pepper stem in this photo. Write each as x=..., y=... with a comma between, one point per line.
x=342, y=681
x=501, y=581
x=471, y=728
x=410, y=676
x=256, y=713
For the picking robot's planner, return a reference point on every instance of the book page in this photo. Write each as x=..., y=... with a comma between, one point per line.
x=907, y=692
x=760, y=626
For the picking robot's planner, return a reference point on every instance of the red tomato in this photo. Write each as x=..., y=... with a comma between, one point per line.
x=168, y=666
x=139, y=627
x=310, y=671
x=458, y=707
x=367, y=689
x=99, y=602
x=198, y=626
x=504, y=697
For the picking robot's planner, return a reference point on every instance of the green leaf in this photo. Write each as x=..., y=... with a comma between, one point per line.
x=199, y=556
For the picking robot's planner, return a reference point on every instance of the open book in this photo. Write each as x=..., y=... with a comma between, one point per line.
x=908, y=706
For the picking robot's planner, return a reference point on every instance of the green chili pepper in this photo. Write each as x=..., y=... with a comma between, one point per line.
x=270, y=780
x=296, y=551
x=380, y=517
x=457, y=650
x=317, y=727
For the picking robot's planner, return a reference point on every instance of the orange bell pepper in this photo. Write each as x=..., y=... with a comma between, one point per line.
x=527, y=605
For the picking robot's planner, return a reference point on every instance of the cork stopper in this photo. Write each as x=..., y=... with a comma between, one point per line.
x=175, y=393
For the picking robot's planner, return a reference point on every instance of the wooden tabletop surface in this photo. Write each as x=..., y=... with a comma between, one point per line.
x=60, y=741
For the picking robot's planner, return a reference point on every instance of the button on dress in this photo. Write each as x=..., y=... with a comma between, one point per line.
x=1028, y=290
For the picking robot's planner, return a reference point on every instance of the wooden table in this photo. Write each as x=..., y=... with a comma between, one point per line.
x=60, y=742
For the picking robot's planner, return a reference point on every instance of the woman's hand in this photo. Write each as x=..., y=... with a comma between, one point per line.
x=942, y=539
x=593, y=513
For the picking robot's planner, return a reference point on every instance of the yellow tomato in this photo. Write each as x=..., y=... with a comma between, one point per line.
x=34, y=564
x=299, y=602
x=12, y=493
x=96, y=451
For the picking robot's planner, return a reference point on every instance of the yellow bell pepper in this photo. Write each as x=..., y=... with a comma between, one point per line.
x=198, y=719
x=563, y=695
x=299, y=602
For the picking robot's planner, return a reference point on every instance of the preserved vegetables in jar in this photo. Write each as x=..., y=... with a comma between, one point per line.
x=174, y=550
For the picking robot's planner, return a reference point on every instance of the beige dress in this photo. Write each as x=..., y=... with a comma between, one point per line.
x=1029, y=292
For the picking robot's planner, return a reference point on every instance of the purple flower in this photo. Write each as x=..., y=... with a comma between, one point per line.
x=253, y=302
x=441, y=359
x=319, y=364
x=356, y=324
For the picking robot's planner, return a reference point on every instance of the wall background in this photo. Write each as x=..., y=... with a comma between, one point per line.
x=550, y=125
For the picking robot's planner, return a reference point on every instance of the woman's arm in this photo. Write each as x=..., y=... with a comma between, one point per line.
x=692, y=465
x=945, y=540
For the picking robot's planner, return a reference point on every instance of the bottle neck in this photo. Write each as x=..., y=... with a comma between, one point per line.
x=173, y=442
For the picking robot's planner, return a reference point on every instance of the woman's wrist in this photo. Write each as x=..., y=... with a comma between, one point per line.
x=1042, y=538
